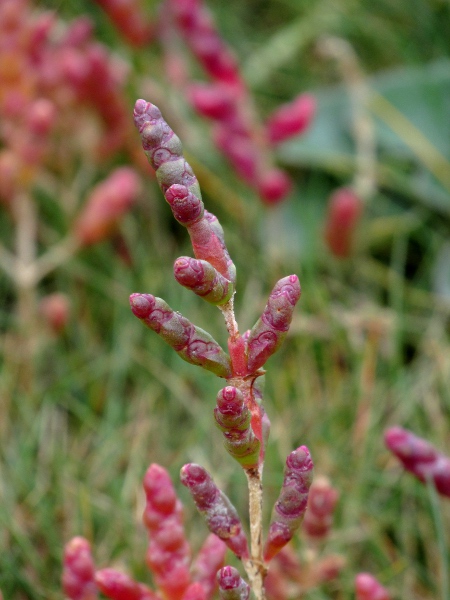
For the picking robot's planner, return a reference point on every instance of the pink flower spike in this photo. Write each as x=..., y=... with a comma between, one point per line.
x=420, y=458
x=191, y=343
x=290, y=507
x=269, y=331
x=291, y=119
x=220, y=515
x=119, y=586
x=168, y=554
x=233, y=418
x=203, y=279
x=343, y=215
x=274, y=186
x=106, y=205
x=231, y=585
x=214, y=101
x=78, y=574
x=368, y=588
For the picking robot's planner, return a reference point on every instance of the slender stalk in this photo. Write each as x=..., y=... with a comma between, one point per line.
x=230, y=321
x=254, y=567
x=55, y=256
x=26, y=242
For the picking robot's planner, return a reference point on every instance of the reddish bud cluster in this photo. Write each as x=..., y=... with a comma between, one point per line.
x=420, y=458
x=231, y=585
x=47, y=72
x=291, y=119
x=322, y=501
x=203, y=279
x=233, y=418
x=290, y=507
x=343, y=215
x=168, y=553
x=368, y=588
x=180, y=187
x=107, y=203
x=195, y=22
x=78, y=575
x=218, y=512
x=168, y=556
x=225, y=100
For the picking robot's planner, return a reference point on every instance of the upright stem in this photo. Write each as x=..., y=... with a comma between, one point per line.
x=26, y=241
x=255, y=568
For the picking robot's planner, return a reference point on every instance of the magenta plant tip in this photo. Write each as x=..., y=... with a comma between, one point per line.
x=290, y=507
x=234, y=419
x=78, y=579
x=270, y=330
x=231, y=585
x=220, y=515
x=368, y=588
x=163, y=149
x=192, y=344
x=420, y=458
x=203, y=279
x=186, y=207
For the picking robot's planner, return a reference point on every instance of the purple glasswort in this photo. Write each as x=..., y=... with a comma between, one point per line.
x=269, y=331
x=78, y=580
x=231, y=585
x=420, y=458
x=218, y=512
x=191, y=343
x=233, y=418
x=290, y=507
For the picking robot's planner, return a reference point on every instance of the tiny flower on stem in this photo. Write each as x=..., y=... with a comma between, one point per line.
x=220, y=515
x=420, y=458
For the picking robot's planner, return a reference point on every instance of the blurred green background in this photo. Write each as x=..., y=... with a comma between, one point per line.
x=369, y=344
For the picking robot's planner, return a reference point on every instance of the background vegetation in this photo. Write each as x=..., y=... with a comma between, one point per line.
x=369, y=346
